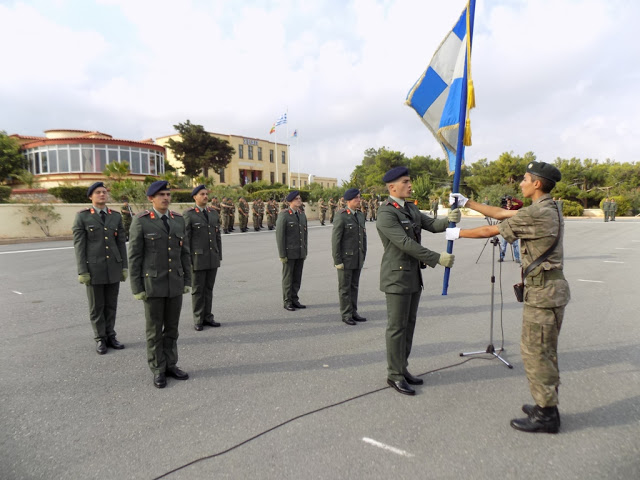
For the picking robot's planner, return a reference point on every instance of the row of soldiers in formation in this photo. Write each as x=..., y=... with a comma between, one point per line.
x=369, y=208
x=609, y=207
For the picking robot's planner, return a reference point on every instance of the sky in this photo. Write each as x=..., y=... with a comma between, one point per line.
x=555, y=77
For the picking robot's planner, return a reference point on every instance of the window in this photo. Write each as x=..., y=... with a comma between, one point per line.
x=284, y=178
x=222, y=175
x=260, y=154
x=283, y=157
x=250, y=152
x=63, y=159
x=271, y=156
x=87, y=159
x=294, y=182
x=43, y=159
x=144, y=163
x=135, y=160
x=74, y=151
x=113, y=155
x=272, y=177
x=240, y=151
x=53, y=160
x=101, y=158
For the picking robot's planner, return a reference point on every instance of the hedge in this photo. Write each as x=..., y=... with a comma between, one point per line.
x=70, y=194
x=5, y=193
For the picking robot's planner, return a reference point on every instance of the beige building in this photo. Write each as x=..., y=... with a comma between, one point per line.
x=326, y=182
x=254, y=160
x=78, y=157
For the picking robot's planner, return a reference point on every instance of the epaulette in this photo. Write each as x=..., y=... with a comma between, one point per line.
x=84, y=209
x=175, y=213
x=143, y=214
x=342, y=210
x=191, y=209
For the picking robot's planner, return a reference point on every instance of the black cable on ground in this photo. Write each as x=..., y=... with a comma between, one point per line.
x=207, y=457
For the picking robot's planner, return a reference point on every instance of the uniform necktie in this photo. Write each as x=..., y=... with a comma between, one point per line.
x=206, y=215
x=103, y=216
x=165, y=220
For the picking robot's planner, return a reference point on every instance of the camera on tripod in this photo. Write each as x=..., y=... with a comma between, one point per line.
x=503, y=200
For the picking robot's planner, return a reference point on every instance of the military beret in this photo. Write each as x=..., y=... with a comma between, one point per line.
x=395, y=173
x=195, y=191
x=155, y=187
x=93, y=187
x=292, y=195
x=351, y=194
x=544, y=170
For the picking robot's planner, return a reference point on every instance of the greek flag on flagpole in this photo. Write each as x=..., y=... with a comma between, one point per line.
x=282, y=120
x=437, y=95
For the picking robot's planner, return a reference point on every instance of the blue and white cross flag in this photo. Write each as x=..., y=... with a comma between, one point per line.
x=282, y=119
x=437, y=95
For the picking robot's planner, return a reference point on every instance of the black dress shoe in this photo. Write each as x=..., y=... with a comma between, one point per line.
x=198, y=328
x=114, y=343
x=546, y=420
x=298, y=305
x=176, y=373
x=160, y=380
x=101, y=347
x=289, y=307
x=530, y=410
x=358, y=318
x=348, y=321
x=211, y=322
x=411, y=380
x=402, y=387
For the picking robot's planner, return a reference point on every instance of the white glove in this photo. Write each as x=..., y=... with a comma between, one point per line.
x=454, y=215
x=284, y=259
x=340, y=267
x=462, y=200
x=452, y=233
x=446, y=259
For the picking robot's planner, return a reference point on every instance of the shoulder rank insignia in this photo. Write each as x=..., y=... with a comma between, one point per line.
x=145, y=213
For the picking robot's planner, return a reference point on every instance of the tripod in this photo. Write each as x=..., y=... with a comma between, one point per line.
x=490, y=348
x=490, y=221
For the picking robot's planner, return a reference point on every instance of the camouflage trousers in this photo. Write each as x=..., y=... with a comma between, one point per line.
x=539, y=349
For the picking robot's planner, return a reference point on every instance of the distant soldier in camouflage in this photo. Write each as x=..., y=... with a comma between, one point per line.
x=101, y=256
x=540, y=228
x=613, y=208
x=261, y=210
x=255, y=210
x=232, y=215
x=243, y=214
x=272, y=213
x=284, y=205
x=215, y=204
x=226, y=206
x=606, y=206
x=332, y=209
x=373, y=208
x=341, y=203
x=322, y=206
x=127, y=216
x=435, y=203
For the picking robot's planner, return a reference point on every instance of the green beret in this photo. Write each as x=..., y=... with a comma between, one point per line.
x=544, y=170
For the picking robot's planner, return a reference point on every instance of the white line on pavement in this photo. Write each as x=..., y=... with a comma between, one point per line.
x=590, y=281
x=624, y=248
x=611, y=261
x=37, y=250
x=15, y=291
x=386, y=447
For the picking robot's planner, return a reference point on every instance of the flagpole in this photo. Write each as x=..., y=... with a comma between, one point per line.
x=275, y=158
x=296, y=131
x=288, y=150
x=460, y=147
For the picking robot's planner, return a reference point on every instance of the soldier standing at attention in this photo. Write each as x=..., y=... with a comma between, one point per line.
x=291, y=238
x=434, y=207
x=332, y=209
x=284, y=205
x=272, y=213
x=606, y=205
x=243, y=214
x=323, y=210
x=202, y=227
x=232, y=215
x=255, y=210
x=99, y=242
x=349, y=249
x=613, y=208
x=373, y=207
x=364, y=208
x=127, y=216
x=160, y=275
x=226, y=215
x=540, y=228
x=260, y=213
x=400, y=226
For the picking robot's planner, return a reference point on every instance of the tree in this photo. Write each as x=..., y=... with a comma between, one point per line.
x=116, y=171
x=43, y=216
x=12, y=162
x=200, y=151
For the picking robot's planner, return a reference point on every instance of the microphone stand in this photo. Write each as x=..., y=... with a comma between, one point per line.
x=490, y=348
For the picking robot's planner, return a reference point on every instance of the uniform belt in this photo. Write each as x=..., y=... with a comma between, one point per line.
x=555, y=274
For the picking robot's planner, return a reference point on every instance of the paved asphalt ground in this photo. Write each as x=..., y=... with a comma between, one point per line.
x=68, y=413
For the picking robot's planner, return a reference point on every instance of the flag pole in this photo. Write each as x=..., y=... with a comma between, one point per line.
x=296, y=132
x=288, y=151
x=460, y=147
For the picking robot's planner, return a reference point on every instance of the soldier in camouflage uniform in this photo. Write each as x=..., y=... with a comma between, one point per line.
x=364, y=208
x=226, y=206
x=606, y=205
x=613, y=208
x=243, y=214
x=546, y=292
x=260, y=213
x=373, y=208
x=232, y=215
x=99, y=242
x=284, y=205
x=127, y=216
x=332, y=209
x=202, y=227
x=322, y=206
x=255, y=210
x=215, y=204
x=160, y=274
x=272, y=213
x=349, y=249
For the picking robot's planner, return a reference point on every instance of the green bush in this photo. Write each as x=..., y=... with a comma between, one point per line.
x=572, y=209
x=181, y=196
x=5, y=193
x=265, y=195
x=70, y=194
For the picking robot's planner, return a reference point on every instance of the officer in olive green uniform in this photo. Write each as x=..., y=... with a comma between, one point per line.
x=546, y=292
x=243, y=214
x=160, y=274
x=99, y=242
x=272, y=213
x=291, y=238
x=202, y=226
x=400, y=224
x=606, y=205
x=349, y=249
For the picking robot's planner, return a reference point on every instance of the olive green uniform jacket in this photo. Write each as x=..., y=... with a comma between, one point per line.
x=291, y=235
x=100, y=248
x=400, y=231
x=349, y=239
x=203, y=238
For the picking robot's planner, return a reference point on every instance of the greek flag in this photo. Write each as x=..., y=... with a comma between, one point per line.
x=282, y=119
x=437, y=95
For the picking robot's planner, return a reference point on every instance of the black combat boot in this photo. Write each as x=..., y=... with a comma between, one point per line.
x=540, y=420
x=529, y=409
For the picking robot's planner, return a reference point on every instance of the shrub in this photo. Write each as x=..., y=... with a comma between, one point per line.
x=181, y=196
x=265, y=195
x=572, y=209
x=70, y=194
x=5, y=193
x=41, y=215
